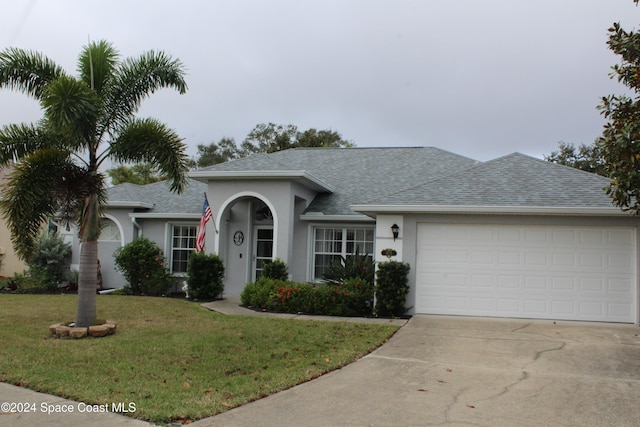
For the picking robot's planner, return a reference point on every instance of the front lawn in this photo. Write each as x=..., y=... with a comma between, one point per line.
x=174, y=359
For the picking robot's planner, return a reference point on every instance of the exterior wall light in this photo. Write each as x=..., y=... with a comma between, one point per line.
x=395, y=229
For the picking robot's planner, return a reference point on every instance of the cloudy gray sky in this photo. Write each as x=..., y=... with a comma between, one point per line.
x=479, y=78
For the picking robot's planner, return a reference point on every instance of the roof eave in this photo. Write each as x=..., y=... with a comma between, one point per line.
x=129, y=204
x=372, y=210
x=319, y=216
x=160, y=215
x=302, y=176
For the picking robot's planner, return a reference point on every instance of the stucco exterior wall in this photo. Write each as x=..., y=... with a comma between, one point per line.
x=10, y=264
x=300, y=260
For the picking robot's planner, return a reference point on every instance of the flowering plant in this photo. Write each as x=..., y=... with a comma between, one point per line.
x=143, y=266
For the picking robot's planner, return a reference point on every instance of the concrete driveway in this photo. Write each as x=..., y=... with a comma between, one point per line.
x=456, y=371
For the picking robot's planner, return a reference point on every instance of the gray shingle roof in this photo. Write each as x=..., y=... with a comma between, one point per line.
x=158, y=194
x=255, y=162
x=126, y=192
x=513, y=180
x=356, y=174
x=399, y=176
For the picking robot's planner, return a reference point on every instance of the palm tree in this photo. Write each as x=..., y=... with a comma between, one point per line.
x=87, y=120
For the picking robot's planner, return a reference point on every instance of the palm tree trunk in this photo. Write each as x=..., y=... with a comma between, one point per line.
x=88, y=274
x=87, y=283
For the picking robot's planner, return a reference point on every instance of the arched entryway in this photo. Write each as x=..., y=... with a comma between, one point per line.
x=247, y=239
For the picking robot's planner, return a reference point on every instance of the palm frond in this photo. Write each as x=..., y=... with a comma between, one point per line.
x=148, y=140
x=26, y=71
x=97, y=63
x=137, y=78
x=47, y=185
x=72, y=191
x=20, y=140
x=71, y=106
x=28, y=198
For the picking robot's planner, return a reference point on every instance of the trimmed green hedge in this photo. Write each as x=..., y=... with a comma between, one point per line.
x=205, y=273
x=392, y=287
x=353, y=297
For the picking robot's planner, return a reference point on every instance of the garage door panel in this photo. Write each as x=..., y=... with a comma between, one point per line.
x=508, y=282
x=622, y=286
x=539, y=306
x=593, y=285
x=536, y=259
x=482, y=257
x=616, y=238
x=508, y=306
x=619, y=261
x=536, y=283
x=563, y=237
x=482, y=281
x=563, y=309
x=577, y=273
x=482, y=304
x=509, y=258
x=593, y=260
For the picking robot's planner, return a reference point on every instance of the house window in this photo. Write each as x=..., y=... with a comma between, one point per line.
x=183, y=242
x=332, y=243
x=262, y=212
x=110, y=231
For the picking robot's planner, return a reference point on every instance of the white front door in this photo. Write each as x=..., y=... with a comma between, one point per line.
x=530, y=271
x=262, y=248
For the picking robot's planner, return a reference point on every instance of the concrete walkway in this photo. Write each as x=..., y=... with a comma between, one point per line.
x=231, y=306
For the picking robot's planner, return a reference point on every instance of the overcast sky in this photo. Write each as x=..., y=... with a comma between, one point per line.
x=478, y=78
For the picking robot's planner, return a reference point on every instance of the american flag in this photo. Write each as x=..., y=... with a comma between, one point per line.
x=202, y=228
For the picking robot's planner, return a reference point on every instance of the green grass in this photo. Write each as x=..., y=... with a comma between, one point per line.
x=174, y=359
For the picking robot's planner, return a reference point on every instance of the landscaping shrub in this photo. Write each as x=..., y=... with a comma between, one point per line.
x=24, y=283
x=352, y=266
x=205, y=274
x=49, y=265
x=360, y=295
x=294, y=298
x=259, y=293
x=276, y=269
x=352, y=298
x=143, y=266
x=391, y=288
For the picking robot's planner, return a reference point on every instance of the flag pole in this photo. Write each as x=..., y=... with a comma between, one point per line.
x=213, y=220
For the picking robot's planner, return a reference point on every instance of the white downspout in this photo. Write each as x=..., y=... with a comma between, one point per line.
x=136, y=225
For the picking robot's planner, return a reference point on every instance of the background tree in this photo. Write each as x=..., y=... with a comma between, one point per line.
x=214, y=153
x=585, y=157
x=141, y=174
x=268, y=138
x=87, y=120
x=322, y=138
x=620, y=140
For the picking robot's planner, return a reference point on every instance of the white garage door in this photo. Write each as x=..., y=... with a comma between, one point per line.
x=544, y=272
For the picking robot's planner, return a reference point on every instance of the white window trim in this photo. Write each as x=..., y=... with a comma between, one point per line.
x=169, y=244
x=117, y=223
x=311, y=264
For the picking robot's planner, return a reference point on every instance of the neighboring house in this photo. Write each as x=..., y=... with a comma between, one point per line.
x=511, y=237
x=10, y=264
